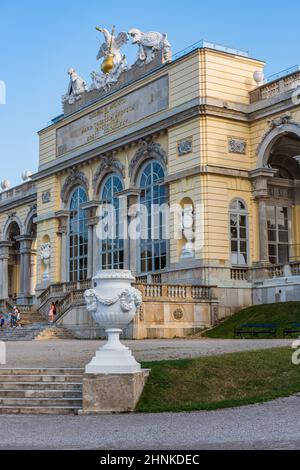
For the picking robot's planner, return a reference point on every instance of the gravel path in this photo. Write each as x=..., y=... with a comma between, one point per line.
x=79, y=353
x=273, y=425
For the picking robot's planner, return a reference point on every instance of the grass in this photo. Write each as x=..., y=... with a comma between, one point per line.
x=280, y=313
x=216, y=382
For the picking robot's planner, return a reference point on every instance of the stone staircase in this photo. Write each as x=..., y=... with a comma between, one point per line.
x=38, y=332
x=40, y=391
x=52, y=333
x=27, y=333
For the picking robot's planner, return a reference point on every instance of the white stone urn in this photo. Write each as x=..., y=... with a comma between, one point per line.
x=113, y=304
x=259, y=77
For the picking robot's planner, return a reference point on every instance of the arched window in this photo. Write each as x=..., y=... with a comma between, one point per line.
x=78, y=236
x=112, y=246
x=239, y=233
x=153, y=244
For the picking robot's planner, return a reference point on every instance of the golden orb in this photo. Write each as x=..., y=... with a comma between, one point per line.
x=108, y=64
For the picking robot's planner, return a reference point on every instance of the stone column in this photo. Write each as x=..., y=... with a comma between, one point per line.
x=263, y=230
x=33, y=267
x=260, y=179
x=63, y=218
x=130, y=211
x=4, y=256
x=25, y=268
x=92, y=208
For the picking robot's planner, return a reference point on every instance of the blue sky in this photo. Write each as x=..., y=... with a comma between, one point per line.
x=40, y=40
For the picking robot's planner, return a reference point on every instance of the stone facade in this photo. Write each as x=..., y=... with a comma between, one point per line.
x=226, y=148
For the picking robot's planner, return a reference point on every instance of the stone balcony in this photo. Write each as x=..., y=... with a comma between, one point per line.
x=23, y=191
x=279, y=84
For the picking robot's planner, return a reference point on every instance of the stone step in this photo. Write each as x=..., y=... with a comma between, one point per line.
x=37, y=371
x=52, y=333
x=38, y=378
x=39, y=410
x=47, y=393
x=20, y=402
x=55, y=391
x=76, y=385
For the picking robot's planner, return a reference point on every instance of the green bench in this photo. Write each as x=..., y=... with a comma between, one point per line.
x=257, y=329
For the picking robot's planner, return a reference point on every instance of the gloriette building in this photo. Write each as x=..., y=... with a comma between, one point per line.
x=201, y=132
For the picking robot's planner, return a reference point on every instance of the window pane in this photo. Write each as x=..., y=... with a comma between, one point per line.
x=78, y=243
x=234, y=232
x=112, y=248
x=153, y=258
x=272, y=250
x=234, y=246
x=283, y=254
x=239, y=233
x=243, y=233
x=283, y=237
x=272, y=235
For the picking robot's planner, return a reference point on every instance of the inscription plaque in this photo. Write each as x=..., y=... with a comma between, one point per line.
x=117, y=115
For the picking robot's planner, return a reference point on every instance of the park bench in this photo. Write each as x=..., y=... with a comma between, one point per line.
x=256, y=330
x=292, y=329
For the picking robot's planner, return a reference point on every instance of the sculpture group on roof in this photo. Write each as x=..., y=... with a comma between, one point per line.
x=114, y=64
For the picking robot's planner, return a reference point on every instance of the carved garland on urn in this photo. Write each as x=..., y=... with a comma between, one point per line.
x=147, y=150
x=108, y=165
x=75, y=177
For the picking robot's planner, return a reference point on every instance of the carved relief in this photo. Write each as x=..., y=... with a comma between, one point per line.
x=185, y=147
x=237, y=146
x=108, y=164
x=147, y=150
x=75, y=177
x=178, y=314
x=46, y=197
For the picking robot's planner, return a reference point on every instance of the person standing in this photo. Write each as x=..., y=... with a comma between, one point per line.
x=13, y=319
x=18, y=316
x=2, y=320
x=52, y=313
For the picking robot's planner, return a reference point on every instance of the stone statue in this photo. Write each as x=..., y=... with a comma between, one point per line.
x=112, y=45
x=188, y=251
x=149, y=44
x=45, y=252
x=114, y=61
x=77, y=86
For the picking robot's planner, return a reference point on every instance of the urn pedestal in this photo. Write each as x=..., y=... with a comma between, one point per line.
x=114, y=380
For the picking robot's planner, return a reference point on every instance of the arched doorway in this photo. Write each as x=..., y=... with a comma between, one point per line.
x=282, y=216
x=278, y=195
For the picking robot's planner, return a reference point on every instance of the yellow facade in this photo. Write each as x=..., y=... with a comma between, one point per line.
x=211, y=106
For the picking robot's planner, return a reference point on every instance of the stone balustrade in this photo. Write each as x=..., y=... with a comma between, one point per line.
x=239, y=274
x=72, y=294
x=21, y=191
x=283, y=84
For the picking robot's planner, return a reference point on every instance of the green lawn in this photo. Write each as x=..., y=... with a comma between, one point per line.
x=220, y=381
x=280, y=313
